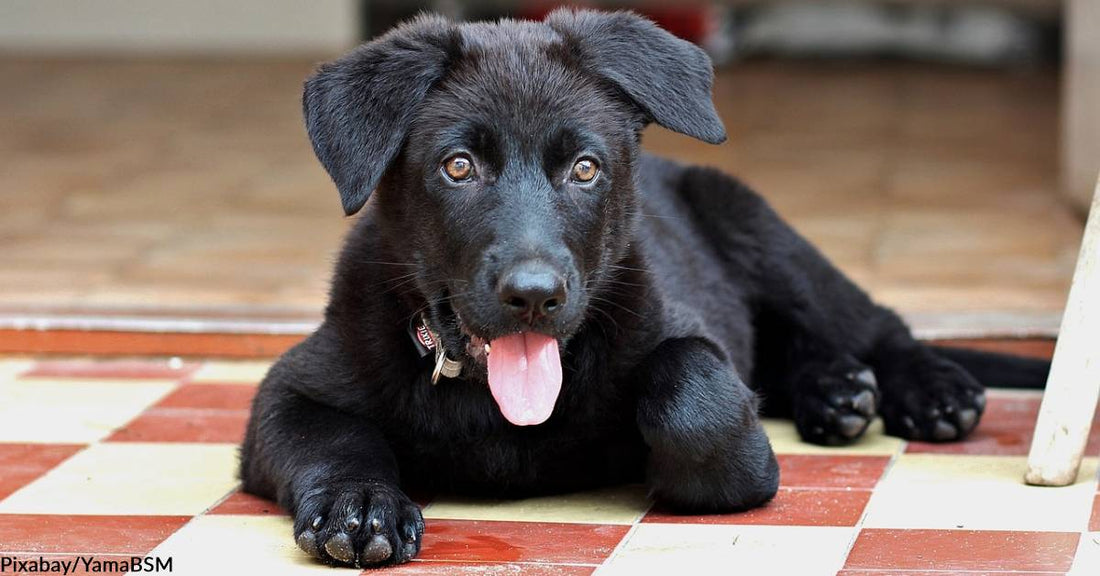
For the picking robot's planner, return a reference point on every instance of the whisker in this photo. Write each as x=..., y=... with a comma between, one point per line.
x=386, y=263
x=417, y=312
x=429, y=284
x=661, y=216
x=615, y=282
x=615, y=304
x=618, y=267
x=399, y=279
x=609, y=317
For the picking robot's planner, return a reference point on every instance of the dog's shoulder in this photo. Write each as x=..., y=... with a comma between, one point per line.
x=365, y=270
x=366, y=320
x=683, y=199
x=700, y=187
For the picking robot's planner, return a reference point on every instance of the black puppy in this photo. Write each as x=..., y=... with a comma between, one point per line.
x=530, y=304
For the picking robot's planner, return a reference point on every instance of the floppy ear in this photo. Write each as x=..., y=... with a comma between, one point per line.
x=669, y=79
x=358, y=108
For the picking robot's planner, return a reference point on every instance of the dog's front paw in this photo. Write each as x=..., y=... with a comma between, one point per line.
x=835, y=403
x=359, y=524
x=933, y=400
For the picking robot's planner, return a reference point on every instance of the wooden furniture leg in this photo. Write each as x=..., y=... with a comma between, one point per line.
x=1073, y=387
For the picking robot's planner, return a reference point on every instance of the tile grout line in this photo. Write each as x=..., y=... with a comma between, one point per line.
x=629, y=534
x=176, y=385
x=236, y=488
x=194, y=517
x=867, y=508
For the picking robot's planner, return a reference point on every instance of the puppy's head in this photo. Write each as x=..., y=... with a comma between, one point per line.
x=502, y=161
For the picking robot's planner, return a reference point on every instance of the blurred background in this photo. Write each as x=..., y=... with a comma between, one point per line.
x=155, y=174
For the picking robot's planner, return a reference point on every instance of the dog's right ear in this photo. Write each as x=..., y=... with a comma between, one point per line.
x=358, y=107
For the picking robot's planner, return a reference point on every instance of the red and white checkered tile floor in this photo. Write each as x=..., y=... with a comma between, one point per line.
x=114, y=459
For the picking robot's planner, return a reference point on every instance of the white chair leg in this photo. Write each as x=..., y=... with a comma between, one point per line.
x=1073, y=387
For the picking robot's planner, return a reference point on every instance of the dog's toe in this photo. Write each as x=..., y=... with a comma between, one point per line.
x=851, y=426
x=943, y=431
x=339, y=546
x=968, y=418
x=864, y=403
x=378, y=550
x=307, y=541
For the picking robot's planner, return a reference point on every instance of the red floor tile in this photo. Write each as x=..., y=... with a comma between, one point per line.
x=1005, y=430
x=943, y=550
x=241, y=503
x=509, y=542
x=184, y=425
x=21, y=464
x=791, y=507
x=420, y=568
x=104, y=342
x=1041, y=348
x=822, y=471
x=1094, y=523
x=193, y=413
x=223, y=396
x=141, y=369
x=56, y=534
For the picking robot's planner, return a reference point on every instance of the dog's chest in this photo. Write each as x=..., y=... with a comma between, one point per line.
x=464, y=445
x=509, y=466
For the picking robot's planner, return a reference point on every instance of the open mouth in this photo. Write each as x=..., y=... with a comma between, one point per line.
x=524, y=372
x=477, y=348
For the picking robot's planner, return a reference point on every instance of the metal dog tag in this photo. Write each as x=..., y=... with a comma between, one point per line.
x=427, y=342
x=444, y=366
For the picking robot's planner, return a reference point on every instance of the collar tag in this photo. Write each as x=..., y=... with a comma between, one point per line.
x=422, y=337
x=427, y=342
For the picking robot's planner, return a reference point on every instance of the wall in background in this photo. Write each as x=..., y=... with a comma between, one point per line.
x=135, y=27
x=1081, y=131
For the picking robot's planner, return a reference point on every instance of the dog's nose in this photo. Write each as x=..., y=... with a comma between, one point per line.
x=532, y=291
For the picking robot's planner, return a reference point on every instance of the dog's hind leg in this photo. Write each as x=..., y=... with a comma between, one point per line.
x=708, y=450
x=816, y=330
x=823, y=332
x=818, y=333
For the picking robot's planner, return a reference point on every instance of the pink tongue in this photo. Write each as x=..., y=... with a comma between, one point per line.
x=525, y=376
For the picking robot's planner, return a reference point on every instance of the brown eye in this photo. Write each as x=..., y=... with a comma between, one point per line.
x=584, y=170
x=458, y=167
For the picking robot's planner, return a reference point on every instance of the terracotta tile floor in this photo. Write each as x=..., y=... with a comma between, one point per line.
x=148, y=469
x=189, y=186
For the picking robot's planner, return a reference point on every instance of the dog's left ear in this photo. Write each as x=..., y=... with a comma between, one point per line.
x=668, y=78
x=358, y=108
